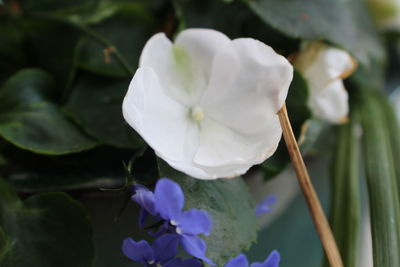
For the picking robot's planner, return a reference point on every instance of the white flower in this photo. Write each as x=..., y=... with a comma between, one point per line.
x=324, y=67
x=206, y=104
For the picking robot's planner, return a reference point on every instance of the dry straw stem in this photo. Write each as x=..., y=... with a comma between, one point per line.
x=317, y=213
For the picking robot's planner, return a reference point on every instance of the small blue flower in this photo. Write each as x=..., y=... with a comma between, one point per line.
x=167, y=203
x=241, y=261
x=264, y=206
x=159, y=253
x=145, y=198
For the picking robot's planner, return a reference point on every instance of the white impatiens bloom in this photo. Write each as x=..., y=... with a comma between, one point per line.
x=206, y=104
x=324, y=68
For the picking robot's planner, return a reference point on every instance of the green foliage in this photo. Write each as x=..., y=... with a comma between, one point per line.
x=292, y=232
x=381, y=181
x=345, y=214
x=45, y=230
x=66, y=66
x=229, y=204
x=344, y=23
x=128, y=31
x=233, y=18
x=95, y=102
x=30, y=122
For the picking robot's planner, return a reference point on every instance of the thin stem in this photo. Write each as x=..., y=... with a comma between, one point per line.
x=314, y=205
x=92, y=34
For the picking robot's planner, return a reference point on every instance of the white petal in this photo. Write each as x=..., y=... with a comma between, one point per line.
x=331, y=103
x=249, y=83
x=321, y=65
x=223, y=146
x=183, y=67
x=158, y=118
x=248, y=86
x=201, y=46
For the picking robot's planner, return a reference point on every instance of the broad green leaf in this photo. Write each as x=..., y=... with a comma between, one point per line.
x=299, y=113
x=344, y=23
x=229, y=204
x=27, y=86
x=30, y=122
x=42, y=128
x=381, y=181
x=345, y=214
x=45, y=230
x=95, y=103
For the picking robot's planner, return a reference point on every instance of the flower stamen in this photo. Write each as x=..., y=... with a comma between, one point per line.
x=178, y=230
x=197, y=113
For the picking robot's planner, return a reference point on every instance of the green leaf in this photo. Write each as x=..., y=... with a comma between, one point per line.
x=229, y=204
x=381, y=181
x=345, y=215
x=27, y=86
x=31, y=123
x=299, y=113
x=42, y=128
x=234, y=19
x=344, y=23
x=128, y=31
x=95, y=103
x=45, y=230
x=12, y=56
x=31, y=173
x=51, y=46
x=393, y=128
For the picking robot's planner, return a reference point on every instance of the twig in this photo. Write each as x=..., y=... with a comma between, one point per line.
x=314, y=205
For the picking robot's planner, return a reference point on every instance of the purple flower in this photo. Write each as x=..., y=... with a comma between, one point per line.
x=145, y=198
x=241, y=261
x=160, y=253
x=264, y=206
x=167, y=203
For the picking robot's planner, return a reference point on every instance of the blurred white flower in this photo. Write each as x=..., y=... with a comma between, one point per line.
x=386, y=13
x=324, y=67
x=206, y=104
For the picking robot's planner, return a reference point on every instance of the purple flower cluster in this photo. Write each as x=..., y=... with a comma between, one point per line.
x=177, y=227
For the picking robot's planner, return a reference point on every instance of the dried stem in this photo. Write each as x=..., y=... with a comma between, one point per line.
x=314, y=205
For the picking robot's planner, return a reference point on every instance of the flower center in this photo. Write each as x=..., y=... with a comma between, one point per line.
x=197, y=113
x=178, y=230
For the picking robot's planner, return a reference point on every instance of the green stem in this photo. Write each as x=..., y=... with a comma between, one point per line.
x=92, y=34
